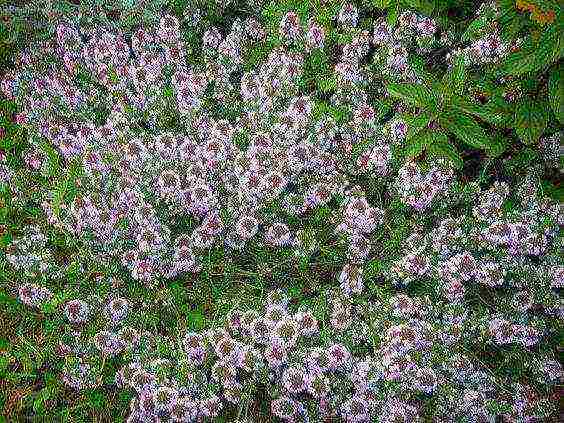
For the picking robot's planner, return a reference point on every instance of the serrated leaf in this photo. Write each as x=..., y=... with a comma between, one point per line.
x=496, y=111
x=518, y=63
x=498, y=145
x=415, y=146
x=423, y=140
x=414, y=94
x=441, y=147
x=466, y=129
x=453, y=81
x=549, y=47
x=556, y=93
x=415, y=123
x=534, y=55
x=531, y=118
x=418, y=64
x=475, y=28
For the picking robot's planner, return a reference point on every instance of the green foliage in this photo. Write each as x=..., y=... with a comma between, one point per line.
x=531, y=118
x=414, y=94
x=537, y=53
x=445, y=117
x=445, y=111
x=556, y=92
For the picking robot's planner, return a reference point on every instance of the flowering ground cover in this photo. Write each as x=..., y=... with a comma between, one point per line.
x=281, y=211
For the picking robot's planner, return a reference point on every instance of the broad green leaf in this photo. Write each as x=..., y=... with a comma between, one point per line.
x=414, y=94
x=415, y=146
x=498, y=145
x=476, y=27
x=196, y=320
x=531, y=118
x=556, y=93
x=441, y=147
x=453, y=81
x=519, y=62
x=415, y=124
x=510, y=20
x=423, y=140
x=58, y=195
x=534, y=55
x=393, y=13
x=496, y=111
x=549, y=48
x=425, y=7
x=466, y=129
x=418, y=64
x=52, y=155
x=555, y=192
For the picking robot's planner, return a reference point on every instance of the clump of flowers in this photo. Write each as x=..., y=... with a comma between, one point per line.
x=418, y=188
x=149, y=150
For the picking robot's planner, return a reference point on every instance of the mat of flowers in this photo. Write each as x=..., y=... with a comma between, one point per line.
x=444, y=304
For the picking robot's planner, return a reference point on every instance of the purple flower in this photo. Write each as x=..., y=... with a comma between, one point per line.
x=290, y=28
x=211, y=39
x=348, y=15
x=117, y=309
x=501, y=330
x=294, y=379
x=34, y=295
x=184, y=409
x=315, y=36
x=338, y=356
x=77, y=311
x=275, y=353
x=164, y=398
x=426, y=380
x=211, y=407
x=108, y=343
x=355, y=410
x=284, y=408
x=142, y=381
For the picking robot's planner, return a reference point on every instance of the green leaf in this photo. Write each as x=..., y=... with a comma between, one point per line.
x=415, y=124
x=553, y=191
x=535, y=55
x=441, y=147
x=52, y=156
x=381, y=4
x=196, y=320
x=418, y=63
x=549, y=47
x=496, y=111
x=531, y=118
x=476, y=27
x=415, y=146
x=556, y=92
x=510, y=21
x=393, y=13
x=466, y=130
x=58, y=195
x=453, y=81
x=96, y=399
x=425, y=7
x=414, y=94
x=518, y=63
